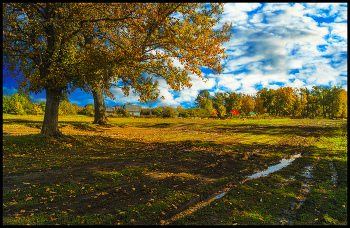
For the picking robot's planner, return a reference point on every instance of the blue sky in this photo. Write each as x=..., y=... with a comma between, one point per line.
x=272, y=45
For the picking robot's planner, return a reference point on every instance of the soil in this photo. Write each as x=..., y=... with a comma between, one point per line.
x=213, y=166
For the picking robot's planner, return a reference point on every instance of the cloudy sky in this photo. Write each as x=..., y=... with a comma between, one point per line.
x=272, y=45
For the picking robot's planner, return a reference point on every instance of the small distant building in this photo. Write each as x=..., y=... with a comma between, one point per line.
x=133, y=109
x=109, y=110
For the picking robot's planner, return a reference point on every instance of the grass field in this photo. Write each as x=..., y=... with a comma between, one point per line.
x=147, y=171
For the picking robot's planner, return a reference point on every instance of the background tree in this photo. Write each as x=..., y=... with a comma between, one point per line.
x=169, y=112
x=297, y=106
x=20, y=103
x=37, y=109
x=269, y=100
x=202, y=98
x=6, y=103
x=342, y=100
x=88, y=110
x=233, y=101
x=284, y=98
x=204, y=101
x=259, y=104
x=221, y=111
x=219, y=103
x=157, y=111
x=247, y=104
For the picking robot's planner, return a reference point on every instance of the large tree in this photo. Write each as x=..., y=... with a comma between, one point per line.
x=39, y=43
x=166, y=32
x=58, y=47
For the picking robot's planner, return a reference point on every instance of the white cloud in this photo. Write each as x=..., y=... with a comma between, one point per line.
x=9, y=91
x=295, y=64
x=339, y=29
x=295, y=84
x=75, y=102
x=37, y=100
x=187, y=94
x=257, y=18
x=289, y=40
x=120, y=98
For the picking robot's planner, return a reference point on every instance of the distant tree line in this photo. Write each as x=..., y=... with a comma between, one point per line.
x=326, y=102
x=285, y=101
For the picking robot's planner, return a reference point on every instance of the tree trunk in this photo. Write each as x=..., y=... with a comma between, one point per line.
x=100, y=108
x=50, y=124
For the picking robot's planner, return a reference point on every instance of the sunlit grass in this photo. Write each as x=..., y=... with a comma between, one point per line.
x=260, y=201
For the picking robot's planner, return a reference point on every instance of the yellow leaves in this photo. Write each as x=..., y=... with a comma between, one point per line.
x=29, y=198
x=22, y=211
x=12, y=203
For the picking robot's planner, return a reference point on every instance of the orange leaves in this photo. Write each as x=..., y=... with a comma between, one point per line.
x=126, y=46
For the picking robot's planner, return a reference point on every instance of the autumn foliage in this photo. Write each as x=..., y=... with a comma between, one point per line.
x=284, y=101
x=59, y=47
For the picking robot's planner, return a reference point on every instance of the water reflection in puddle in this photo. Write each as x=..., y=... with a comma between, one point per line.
x=283, y=163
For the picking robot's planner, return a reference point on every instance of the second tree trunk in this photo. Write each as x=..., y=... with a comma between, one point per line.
x=100, y=108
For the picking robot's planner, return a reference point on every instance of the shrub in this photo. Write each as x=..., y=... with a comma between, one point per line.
x=37, y=109
x=169, y=112
x=66, y=108
x=125, y=113
x=88, y=110
x=157, y=111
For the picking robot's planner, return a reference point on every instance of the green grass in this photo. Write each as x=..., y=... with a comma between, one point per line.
x=262, y=201
x=266, y=200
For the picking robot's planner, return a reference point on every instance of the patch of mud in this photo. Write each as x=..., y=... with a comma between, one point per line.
x=69, y=174
x=291, y=212
x=217, y=195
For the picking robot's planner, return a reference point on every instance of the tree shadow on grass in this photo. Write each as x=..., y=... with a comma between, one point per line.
x=190, y=165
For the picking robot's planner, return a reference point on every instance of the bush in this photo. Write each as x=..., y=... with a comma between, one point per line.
x=18, y=108
x=88, y=110
x=157, y=111
x=125, y=113
x=146, y=111
x=6, y=103
x=169, y=112
x=66, y=108
x=37, y=109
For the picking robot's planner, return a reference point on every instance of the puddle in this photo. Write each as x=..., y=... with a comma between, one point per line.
x=283, y=163
x=334, y=175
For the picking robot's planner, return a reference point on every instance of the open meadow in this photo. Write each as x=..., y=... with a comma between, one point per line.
x=146, y=171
